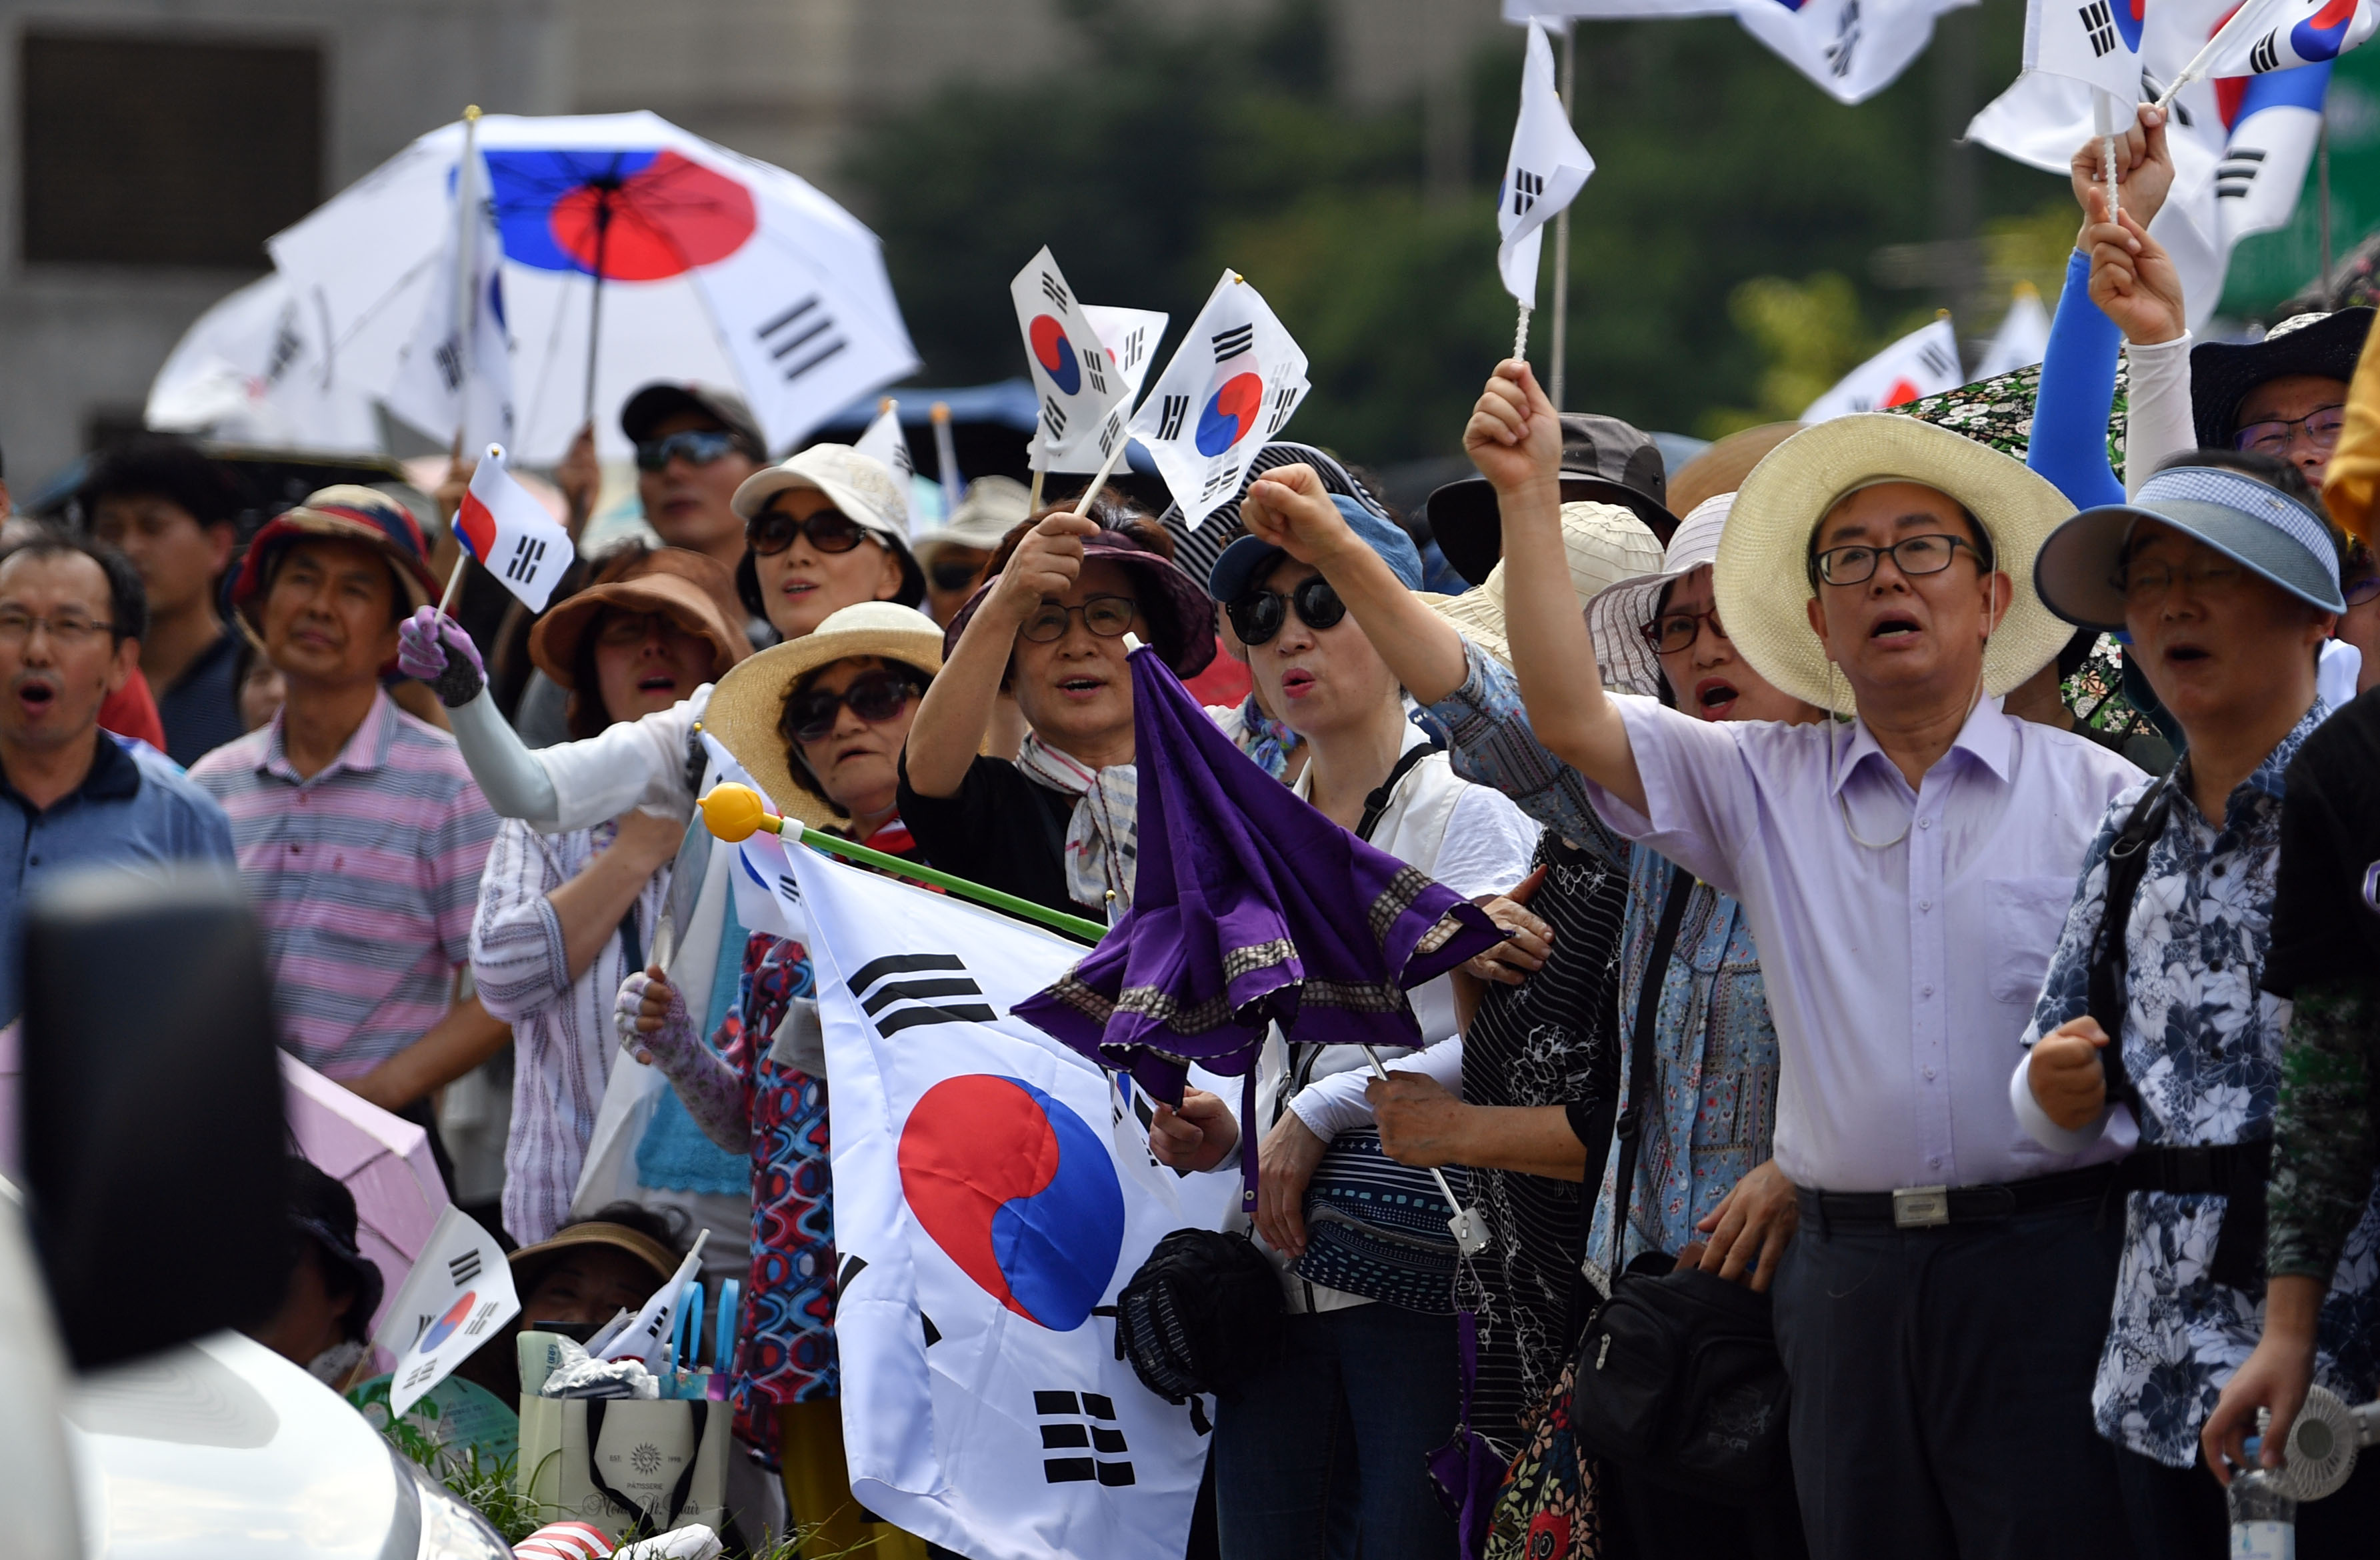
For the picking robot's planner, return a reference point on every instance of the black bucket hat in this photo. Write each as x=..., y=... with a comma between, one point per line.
x=2222, y=372
x=1604, y=460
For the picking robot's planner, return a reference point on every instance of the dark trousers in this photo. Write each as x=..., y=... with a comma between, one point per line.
x=1941, y=1386
x=2179, y=1512
x=1642, y=1521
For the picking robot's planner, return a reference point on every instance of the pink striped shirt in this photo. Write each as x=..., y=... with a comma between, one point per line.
x=364, y=877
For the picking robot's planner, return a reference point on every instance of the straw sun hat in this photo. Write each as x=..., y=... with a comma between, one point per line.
x=749, y=702
x=1606, y=544
x=1762, y=577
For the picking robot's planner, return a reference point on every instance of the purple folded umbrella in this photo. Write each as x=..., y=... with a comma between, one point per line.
x=1248, y=907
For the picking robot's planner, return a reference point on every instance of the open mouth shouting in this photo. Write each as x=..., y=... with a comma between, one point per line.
x=657, y=682
x=1715, y=697
x=1296, y=683
x=2184, y=654
x=1081, y=687
x=1895, y=627
x=36, y=694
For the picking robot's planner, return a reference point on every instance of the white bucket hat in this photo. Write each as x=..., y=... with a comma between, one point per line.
x=1617, y=617
x=1761, y=578
x=1605, y=543
x=860, y=485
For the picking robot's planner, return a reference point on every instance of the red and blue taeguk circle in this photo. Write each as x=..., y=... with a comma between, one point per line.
x=443, y=1328
x=651, y=215
x=2317, y=38
x=1230, y=412
x=1055, y=354
x=2129, y=15
x=1019, y=1192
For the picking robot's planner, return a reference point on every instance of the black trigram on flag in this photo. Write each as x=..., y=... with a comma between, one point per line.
x=801, y=338
x=1081, y=1424
x=1938, y=360
x=1129, y=353
x=2099, y=27
x=1053, y=417
x=1229, y=344
x=450, y=363
x=2265, y=55
x=465, y=1268
x=902, y=1005
x=1526, y=187
x=1222, y=475
x=528, y=552
x=1109, y=429
x=1284, y=401
x=1053, y=292
x=1095, y=369
x=2236, y=175
x=1847, y=37
x=287, y=343
x=1170, y=413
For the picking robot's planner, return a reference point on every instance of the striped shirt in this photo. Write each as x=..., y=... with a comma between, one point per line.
x=563, y=1044
x=364, y=876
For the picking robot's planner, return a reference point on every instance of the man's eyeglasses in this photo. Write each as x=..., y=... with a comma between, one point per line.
x=696, y=446
x=2154, y=581
x=875, y=696
x=1928, y=553
x=1674, y=631
x=2357, y=592
x=70, y=630
x=2271, y=436
x=1258, y=616
x=1107, y=616
x=771, y=531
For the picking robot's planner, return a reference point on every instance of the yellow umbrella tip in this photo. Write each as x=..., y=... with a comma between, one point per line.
x=735, y=813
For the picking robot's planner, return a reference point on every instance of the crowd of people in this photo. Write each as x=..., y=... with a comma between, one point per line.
x=2021, y=1064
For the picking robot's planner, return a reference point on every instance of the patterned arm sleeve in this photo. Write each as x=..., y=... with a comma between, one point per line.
x=2324, y=1145
x=1493, y=745
x=518, y=961
x=715, y=1082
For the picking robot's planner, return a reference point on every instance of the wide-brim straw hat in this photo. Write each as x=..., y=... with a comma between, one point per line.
x=692, y=590
x=748, y=705
x=1762, y=574
x=1604, y=542
x=529, y=1263
x=1617, y=616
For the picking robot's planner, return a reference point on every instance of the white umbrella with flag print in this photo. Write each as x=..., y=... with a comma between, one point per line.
x=633, y=251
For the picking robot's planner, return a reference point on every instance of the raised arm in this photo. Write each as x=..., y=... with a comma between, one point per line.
x=948, y=731
x=1515, y=440
x=2134, y=281
x=1289, y=508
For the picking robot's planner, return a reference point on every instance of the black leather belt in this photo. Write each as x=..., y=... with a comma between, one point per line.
x=1931, y=1207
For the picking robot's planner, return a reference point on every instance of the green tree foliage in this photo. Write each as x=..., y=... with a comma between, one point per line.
x=1168, y=153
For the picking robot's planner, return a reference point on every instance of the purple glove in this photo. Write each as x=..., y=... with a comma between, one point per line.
x=672, y=1042
x=432, y=647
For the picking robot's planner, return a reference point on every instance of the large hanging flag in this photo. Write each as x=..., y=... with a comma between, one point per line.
x=1547, y=168
x=2096, y=41
x=1131, y=336
x=1925, y=363
x=458, y=1296
x=456, y=378
x=1083, y=402
x=509, y=532
x=991, y=1199
x=2286, y=34
x=1230, y=386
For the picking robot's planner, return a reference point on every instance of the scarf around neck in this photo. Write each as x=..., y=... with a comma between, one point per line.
x=1102, y=838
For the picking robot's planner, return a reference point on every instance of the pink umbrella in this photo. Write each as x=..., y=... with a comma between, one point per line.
x=384, y=1160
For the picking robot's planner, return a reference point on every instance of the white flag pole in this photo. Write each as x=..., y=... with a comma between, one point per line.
x=1521, y=333
x=467, y=234
x=1106, y=466
x=1039, y=462
x=1562, y=220
x=2102, y=109
x=2253, y=12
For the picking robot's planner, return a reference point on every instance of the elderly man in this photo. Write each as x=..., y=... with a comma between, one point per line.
x=70, y=622
x=2226, y=579
x=360, y=833
x=1906, y=875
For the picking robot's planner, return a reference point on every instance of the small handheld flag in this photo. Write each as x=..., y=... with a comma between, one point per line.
x=885, y=444
x=1130, y=336
x=1924, y=363
x=509, y=532
x=1547, y=168
x=2285, y=34
x=1232, y=385
x=458, y=1296
x=1083, y=398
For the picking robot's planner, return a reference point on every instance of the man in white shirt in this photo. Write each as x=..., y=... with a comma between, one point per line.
x=1907, y=875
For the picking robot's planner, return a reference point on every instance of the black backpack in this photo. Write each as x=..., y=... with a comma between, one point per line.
x=1203, y=1315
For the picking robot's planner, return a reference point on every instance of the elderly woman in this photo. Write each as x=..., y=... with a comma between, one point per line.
x=563, y=918
x=1056, y=824
x=818, y=723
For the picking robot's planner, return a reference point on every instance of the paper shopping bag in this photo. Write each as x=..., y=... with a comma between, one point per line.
x=624, y=1462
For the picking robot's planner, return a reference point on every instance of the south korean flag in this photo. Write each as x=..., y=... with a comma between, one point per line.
x=1131, y=336
x=1232, y=385
x=458, y=1296
x=1083, y=400
x=991, y=1197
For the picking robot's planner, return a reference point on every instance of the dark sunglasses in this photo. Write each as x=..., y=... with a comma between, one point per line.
x=1257, y=617
x=771, y=531
x=875, y=696
x=954, y=577
x=697, y=446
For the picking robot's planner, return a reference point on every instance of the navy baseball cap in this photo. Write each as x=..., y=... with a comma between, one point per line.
x=1249, y=559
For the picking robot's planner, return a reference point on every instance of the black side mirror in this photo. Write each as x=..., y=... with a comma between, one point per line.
x=153, y=1131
